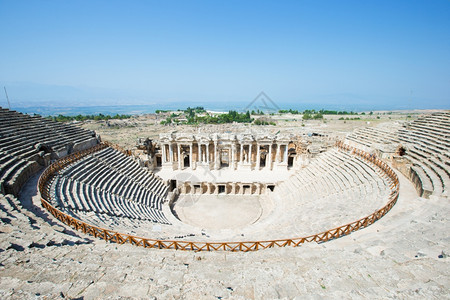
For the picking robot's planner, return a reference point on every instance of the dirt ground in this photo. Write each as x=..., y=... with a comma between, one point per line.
x=126, y=132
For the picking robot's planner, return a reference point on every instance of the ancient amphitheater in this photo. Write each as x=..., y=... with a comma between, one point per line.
x=215, y=215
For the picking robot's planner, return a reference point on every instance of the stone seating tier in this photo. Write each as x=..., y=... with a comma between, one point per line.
x=109, y=182
x=73, y=195
x=20, y=137
x=333, y=181
x=426, y=141
x=22, y=228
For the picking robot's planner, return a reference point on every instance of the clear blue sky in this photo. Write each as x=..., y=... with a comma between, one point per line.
x=373, y=52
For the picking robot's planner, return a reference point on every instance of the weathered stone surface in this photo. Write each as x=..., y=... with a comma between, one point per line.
x=403, y=255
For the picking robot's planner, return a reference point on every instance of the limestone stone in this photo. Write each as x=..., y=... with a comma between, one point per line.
x=44, y=259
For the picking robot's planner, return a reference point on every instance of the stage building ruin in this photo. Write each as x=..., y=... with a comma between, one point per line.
x=216, y=151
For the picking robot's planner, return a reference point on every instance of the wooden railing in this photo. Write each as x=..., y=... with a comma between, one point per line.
x=121, y=238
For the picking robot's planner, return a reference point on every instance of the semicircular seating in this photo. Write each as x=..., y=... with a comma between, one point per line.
x=427, y=149
x=104, y=186
x=108, y=189
x=111, y=183
x=335, y=188
x=27, y=143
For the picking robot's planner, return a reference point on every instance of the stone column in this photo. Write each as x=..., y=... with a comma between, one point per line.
x=277, y=154
x=250, y=153
x=163, y=153
x=207, y=154
x=215, y=156
x=199, y=152
x=258, y=189
x=269, y=163
x=179, y=156
x=233, y=148
x=216, y=189
x=190, y=156
x=285, y=154
x=242, y=154
x=170, y=152
x=233, y=188
x=258, y=156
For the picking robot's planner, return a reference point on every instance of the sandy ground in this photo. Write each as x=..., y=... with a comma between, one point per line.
x=218, y=211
